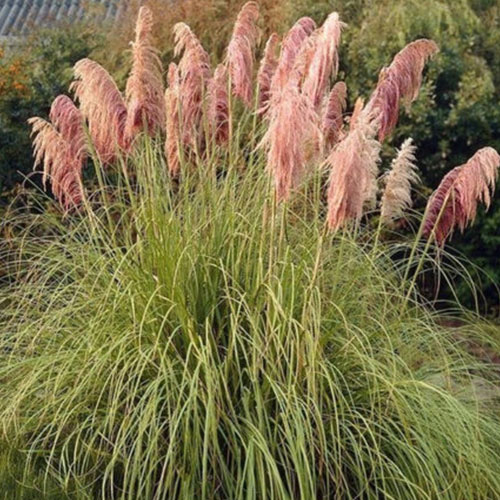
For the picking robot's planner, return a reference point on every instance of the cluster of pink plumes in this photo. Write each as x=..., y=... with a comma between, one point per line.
x=293, y=92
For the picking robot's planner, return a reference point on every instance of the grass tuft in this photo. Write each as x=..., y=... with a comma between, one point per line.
x=195, y=340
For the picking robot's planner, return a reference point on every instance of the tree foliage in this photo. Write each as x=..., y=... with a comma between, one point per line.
x=30, y=77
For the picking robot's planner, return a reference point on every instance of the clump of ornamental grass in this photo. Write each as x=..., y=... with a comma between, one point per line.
x=183, y=342
x=213, y=318
x=197, y=329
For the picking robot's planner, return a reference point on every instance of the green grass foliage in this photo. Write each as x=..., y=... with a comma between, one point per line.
x=193, y=339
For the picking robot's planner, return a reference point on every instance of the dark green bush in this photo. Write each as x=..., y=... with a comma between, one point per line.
x=45, y=61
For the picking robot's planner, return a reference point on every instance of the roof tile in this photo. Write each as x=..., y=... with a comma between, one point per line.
x=18, y=16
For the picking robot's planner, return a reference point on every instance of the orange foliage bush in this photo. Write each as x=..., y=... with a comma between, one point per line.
x=13, y=76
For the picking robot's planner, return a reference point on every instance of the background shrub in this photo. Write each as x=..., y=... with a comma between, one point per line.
x=30, y=77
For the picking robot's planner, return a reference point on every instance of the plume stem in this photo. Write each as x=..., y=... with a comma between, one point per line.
x=255, y=142
x=230, y=127
x=427, y=245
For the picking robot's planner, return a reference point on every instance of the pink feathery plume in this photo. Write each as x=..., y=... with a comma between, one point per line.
x=68, y=120
x=290, y=48
x=217, y=105
x=304, y=59
x=333, y=121
x=240, y=52
x=356, y=112
x=291, y=139
x=173, y=127
x=266, y=71
x=102, y=105
x=396, y=198
x=353, y=176
x=401, y=80
x=144, y=90
x=194, y=73
x=454, y=202
x=325, y=59
x=56, y=156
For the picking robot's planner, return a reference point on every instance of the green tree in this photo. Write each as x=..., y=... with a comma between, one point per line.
x=45, y=61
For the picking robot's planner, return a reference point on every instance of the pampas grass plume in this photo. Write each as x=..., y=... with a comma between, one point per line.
x=290, y=48
x=59, y=147
x=144, y=90
x=454, y=203
x=400, y=81
x=173, y=125
x=102, y=105
x=293, y=132
x=266, y=72
x=240, y=52
x=68, y=120
x=218, y=105
x=398, y=181
x=353, y=175
x=332, y=116
x=194, y=73
x=325, y=59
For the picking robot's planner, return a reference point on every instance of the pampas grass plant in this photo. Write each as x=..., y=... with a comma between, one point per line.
x=191, y=328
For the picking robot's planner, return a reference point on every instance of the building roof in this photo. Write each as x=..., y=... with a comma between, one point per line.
x=17, y=17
